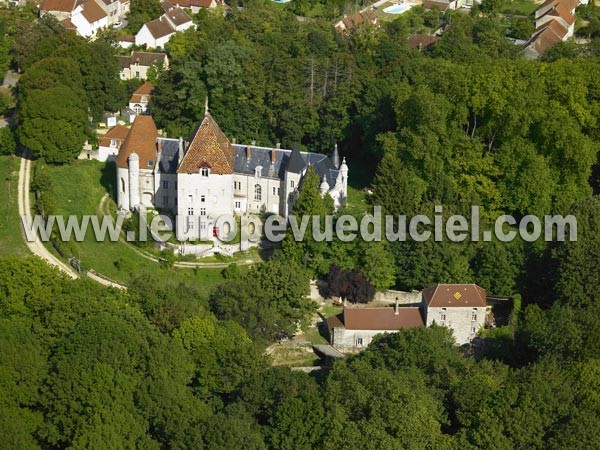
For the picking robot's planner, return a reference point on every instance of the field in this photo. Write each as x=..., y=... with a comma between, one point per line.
x=11, y=240
x=78, y=189
x=519, y=7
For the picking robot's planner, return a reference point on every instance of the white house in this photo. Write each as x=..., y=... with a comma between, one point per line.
x=137, y=65
x=156, y=33
x=88, y=17
x=207, y=176
x=141, y=98
x=461, y=307
x=111, y=142
x=61, y=9
x=194, y=5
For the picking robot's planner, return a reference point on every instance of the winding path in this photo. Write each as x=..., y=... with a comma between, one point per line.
x=37, y=247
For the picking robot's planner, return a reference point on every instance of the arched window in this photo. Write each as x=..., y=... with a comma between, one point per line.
x=122, y=185
x=257, y=192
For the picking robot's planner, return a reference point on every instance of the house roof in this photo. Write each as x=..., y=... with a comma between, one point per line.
x=296, y=163
x=208, y=147
x=143, y=94
x=453, y=295
x=141, y=139
x=169, y=155
x=147, y=58
x=126, y=38
x=546, y=36
x=118, y=133
x=443, y=6
x=197, y=3
x=571, y=5
x=177, y=16
x=160, y=27
x=68, y=24
x=92, y=11
x=124, y=61
x=563, y=12
x=422, y=41
x=358, y=19
x=59, y=5
x=357, y=318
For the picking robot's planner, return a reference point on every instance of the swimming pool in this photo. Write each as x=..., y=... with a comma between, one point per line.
x=398, y=9
x=282, y=1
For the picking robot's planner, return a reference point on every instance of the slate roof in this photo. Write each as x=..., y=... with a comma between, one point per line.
x=358, y=318
x=141, y=139
x=453, y=295
x=169, y=156
x=208, y=146
x=274, y=162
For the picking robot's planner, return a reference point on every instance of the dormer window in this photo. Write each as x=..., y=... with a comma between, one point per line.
x=204, y=171
x=258, y=171
x=150, y=163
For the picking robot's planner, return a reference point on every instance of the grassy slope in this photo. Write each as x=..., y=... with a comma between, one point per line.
x=79, y=188
x=11, y=240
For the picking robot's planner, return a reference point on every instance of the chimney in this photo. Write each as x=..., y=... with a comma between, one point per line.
x=158, y=149
x=248, y=152
x=278, y=145
x=253, y=143
x=396, y=311
x=273, y=155
x=180, y=150
x=233, y=140
x=345, y=302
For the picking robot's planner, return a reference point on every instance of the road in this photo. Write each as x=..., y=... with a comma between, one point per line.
x=37, y=247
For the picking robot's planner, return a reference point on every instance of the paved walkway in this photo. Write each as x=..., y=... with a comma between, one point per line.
x=37, y=247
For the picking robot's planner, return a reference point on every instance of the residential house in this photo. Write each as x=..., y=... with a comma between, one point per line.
x=111, y=142
x=193, y=5
x=126, y=40
x=206, y=176
x=422, y=41
x=461, y=307
x=89, y=18
x=554, y=22
x=60, y=9
x=156, y=33
x=443, y=5
x=140, y=99
x=137, y=64
x=357, y=21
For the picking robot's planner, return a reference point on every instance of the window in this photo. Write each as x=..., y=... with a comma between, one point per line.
x=258, y=171
x=359, y=342
x=292, y=184
x=474, y=317
x=238, y=205
x=203, y=198
x=257, y=193
x=113, y=143
x=165, y=184
x=473, y=330
x=150, y=163
x=190, y=211
x=443, y=315
x=137, y=74
x=202, y=211
x=137, y=108
x=190, y=199
x=204, y=171
x=203, y=225
x=237, y=185
x=122, y=185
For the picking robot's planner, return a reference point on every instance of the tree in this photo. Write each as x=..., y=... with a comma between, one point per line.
x=349, y=284
x=7, y=142
x=53, y=124
x=378, y=265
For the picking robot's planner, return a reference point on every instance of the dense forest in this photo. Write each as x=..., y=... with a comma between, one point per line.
x=466, y=122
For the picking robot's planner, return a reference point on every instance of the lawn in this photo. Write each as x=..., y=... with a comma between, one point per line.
x=11, y=240
x=78, y=189
x=519, y=7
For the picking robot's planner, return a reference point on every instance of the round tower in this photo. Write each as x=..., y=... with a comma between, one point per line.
x=344, y=172
x=134, y=180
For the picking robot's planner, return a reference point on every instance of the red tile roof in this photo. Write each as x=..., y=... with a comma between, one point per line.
x=92, y=11
x=422, y=41
x=443, y=6
x=546, y=36
x=357, y=318
x=68, y=24
x=141, y=139
x=178, y=16
x=451, y=295
x=208, y=147
x=142, y=94
x=58, y=5
x=160, y=27
x=118, y=133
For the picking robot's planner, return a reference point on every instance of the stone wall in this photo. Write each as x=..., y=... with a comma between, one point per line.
x=404, y=298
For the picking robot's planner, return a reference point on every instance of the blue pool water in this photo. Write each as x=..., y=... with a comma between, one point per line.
x=397, y=9
x=282, y=1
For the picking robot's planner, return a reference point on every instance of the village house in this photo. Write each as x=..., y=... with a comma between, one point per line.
x=554, y=22
x=156, y=33
x=357, y=20
x=207, y=176
x=85, y=17
x=126, y=40
x=137, y=64
x=141, y=98
x=193, y=5
x=461, y=307
x=111, y=142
